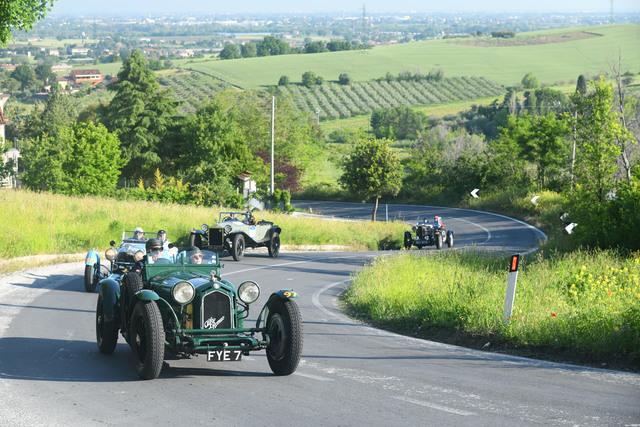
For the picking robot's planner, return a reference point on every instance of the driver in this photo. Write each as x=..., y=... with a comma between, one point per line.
x=155, y=251
x=195, y=255
x=138, y=233
x=251, y=220
x=437, y=222
x=162, y=235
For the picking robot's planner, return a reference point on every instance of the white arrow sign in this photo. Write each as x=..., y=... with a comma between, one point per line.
x=534, y=200
x=564, y=217
x=569, y=228
x=474, y=193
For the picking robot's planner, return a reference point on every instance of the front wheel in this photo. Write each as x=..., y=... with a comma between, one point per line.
x=284, y=328
x=91, y=277
x=147, y=339
x=106, y=332
x=408, y=240
x=237, y=247
x=274, y=245
x=450, y=239
x=438, y=241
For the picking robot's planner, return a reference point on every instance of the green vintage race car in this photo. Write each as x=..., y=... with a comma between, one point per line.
x=178, y=306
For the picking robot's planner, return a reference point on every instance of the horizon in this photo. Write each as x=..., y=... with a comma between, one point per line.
x=290, y=7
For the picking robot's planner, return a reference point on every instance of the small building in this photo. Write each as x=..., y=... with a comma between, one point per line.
x=247, y=185
x=79, y=51
x=61, y=68
x=92, y=77
x=8, y=67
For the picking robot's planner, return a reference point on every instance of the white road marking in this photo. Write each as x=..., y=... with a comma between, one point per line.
x=434, y=406
x=315, y=299
x=295, y=262
x=476, y=225
x=313, y=377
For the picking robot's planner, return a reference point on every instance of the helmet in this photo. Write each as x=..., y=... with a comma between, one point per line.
x=138, y=230
x=153, y=244
x=162, y=235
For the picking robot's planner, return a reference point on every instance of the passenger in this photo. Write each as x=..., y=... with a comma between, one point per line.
x=162, y=235
x=138, y=233
x=155, y=251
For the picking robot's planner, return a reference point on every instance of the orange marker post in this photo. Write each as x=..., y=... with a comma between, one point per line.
x=510, y=297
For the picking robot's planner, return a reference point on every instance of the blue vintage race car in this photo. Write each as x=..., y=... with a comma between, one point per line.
x=121, y=259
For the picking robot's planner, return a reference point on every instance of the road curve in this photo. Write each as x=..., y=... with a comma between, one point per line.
x=51, y=372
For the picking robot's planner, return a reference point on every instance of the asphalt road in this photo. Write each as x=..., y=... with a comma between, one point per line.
x=51, y=372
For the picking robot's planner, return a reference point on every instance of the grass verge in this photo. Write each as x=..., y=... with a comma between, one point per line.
x=39, y=223
x=580, y=306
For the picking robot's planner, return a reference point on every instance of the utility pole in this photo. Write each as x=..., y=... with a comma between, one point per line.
x=273, y=128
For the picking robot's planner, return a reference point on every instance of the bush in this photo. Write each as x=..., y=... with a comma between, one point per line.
x=283, y=81
x=344, y=79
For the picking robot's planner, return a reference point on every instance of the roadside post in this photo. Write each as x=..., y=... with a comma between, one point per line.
x=510, y=297
x=386, y=212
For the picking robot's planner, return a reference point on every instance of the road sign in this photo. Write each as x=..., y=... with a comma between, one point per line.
x=510, y=296
x=534, y=200
x=474, y=193
x=569, y=228
x=564, y=217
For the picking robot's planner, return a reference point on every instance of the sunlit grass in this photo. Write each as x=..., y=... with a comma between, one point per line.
x=581, y=305
x=38, y=223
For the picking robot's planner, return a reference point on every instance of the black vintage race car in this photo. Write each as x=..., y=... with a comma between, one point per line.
x=179, y=306
x=428, y=234
x=242, y=231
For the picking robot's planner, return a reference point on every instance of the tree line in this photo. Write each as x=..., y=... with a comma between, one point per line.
x=270, y=46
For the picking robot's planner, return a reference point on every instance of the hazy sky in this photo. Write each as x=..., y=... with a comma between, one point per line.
x=293, y=6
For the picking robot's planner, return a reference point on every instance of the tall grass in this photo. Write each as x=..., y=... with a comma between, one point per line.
x=38, y=223
x=582, y=306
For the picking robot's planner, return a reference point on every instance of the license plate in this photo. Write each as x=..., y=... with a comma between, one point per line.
x=224, y=355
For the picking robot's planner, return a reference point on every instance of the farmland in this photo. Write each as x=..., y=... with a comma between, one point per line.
x=332, y=101
x=551, y=62
x=192, y=89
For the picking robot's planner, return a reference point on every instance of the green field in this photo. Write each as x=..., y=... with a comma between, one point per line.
x=191, y=88
x=332, y=101
x=551, y=62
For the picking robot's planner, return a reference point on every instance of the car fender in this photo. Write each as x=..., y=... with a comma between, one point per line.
x=109, y=290
x=282, y=294
x=147, y=295
x=276, y=229
x=92, y=258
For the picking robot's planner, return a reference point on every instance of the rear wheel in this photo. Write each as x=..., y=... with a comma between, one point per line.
x=90, y=277
x=237, y=247
x=147, y=339
x=106, y=331
x=450, y=239
x=408, y=240
x=284, y=328
x=274, y=245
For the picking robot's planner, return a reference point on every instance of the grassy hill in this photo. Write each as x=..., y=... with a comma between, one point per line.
x=553, y=56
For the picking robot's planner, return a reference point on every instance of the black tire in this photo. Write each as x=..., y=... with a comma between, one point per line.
x=274, y=245
x=438, y=241
x=132, y=284
x=450, y=239
x=237, y=247
x=147, y=339
x=90, y=272
x=106, y=332
x=284, y=327
x=408, y=240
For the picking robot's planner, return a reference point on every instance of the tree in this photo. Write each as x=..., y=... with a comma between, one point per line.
x=372, y=170
x=272, y=46
x=25, y=75
x=249, y=50
x=344, y=79
x=230, y=51
x=283, y=81
x=398, y=123
x=310, y=79
x=59, y=111
x=314, y=47
x=83, y=159
x=529, y=81
x=581, y=85
x=140, y=114
x=20, y=15
x=44, y=73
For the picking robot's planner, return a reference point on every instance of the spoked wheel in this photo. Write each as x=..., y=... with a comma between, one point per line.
x=237, y=247
x=106, y=331
x=91, y=276
x=147, y=339
x=438, y=241
x=450, y=239
x=284, y=328
x=274, y=245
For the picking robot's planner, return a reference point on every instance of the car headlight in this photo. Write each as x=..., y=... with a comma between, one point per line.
x=183, y=292
x=248, y=292
x=111, y=254
x=138, y=256
x=205, y=227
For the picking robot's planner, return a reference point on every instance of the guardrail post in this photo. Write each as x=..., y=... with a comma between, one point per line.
x=510, y=296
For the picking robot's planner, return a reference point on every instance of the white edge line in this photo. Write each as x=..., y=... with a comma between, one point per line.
x=315, y=299
x=313, y=377
x=434, y=406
